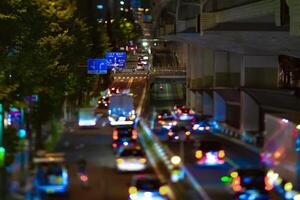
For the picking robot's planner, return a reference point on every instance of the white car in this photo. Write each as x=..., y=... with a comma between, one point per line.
x=131, y=159
x=145, y=187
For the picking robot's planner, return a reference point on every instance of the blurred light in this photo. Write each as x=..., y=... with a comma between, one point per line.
x=143, y=160
x=285, y=121
x=221, y=154
x=198, y=154
x=226, y=179
x=120, y=160
x=145, y=44
x=297, y=197
x=83, y=178
x=122, y=2
x=126, y=10
x=163, y=190
x=288, y=186
x=2, y=156
x=132, y=190
x=122, y=9
x=187, y=133
x=22, y=133
x=234, y=174
x=99, y=6
x=175, y=160
x=147, y=9
x=298, y=127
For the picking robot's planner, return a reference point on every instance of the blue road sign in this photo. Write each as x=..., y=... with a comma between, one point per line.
x=97, y=66
x=116, y=59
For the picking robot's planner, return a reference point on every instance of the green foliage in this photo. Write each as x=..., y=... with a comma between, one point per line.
x=43, y=43
x=124, y=30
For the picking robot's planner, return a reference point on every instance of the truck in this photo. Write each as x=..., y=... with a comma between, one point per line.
x=121, y=110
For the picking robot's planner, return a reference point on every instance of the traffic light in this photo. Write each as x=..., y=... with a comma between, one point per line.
x=2, y=156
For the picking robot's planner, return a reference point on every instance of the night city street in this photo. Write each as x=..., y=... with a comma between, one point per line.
x=149, y=99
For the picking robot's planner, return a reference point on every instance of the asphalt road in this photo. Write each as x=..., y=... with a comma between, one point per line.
x=207, y=176
x=94, y=145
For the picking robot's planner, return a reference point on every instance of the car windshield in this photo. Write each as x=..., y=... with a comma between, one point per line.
x=132, y=152
x=252, y=179
x=165, y=112
x=148, y=184
x=49, y=174
x=210, y=146
x=179, y=128
x=125, y=132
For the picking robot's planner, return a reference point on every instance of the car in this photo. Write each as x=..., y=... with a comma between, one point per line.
x=185, y=114
x=204, y=124
x=249, y=183
x=209, y=152
x=177, y=133
x=144, y=187
x=50, y=175
x=131, y=159
x=163, y=114
x=124, y=132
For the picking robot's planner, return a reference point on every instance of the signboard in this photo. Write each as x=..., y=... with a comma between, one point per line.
x=97, y=66
x=116, y=59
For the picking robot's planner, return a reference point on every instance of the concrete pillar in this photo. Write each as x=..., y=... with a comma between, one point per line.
x=250, y=113
x=207, y=104
x=199, y=102
x=234, y=66
x=208, y=67
x=219, y=108
x=220, y=69
x=259, y=71
x=294, y=6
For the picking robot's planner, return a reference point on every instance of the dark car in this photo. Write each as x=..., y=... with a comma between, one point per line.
x=185, y=113
x=209, y=152
x=124, y=132
x=249, y=183
x=177, y=133
x=204, y=124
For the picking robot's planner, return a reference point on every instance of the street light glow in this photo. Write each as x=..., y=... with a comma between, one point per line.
x=176, y=160
x=122, y=2
x=145, y=44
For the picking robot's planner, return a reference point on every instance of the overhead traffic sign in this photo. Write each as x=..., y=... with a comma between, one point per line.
x=97, y=66
x=116, y=59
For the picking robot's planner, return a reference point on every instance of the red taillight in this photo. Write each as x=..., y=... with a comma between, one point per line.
x=114, y=145
x=83, y=178
x=134, y=134
x=268, y=184
x=115, y=135
x=236, y=184
x=221, y=154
